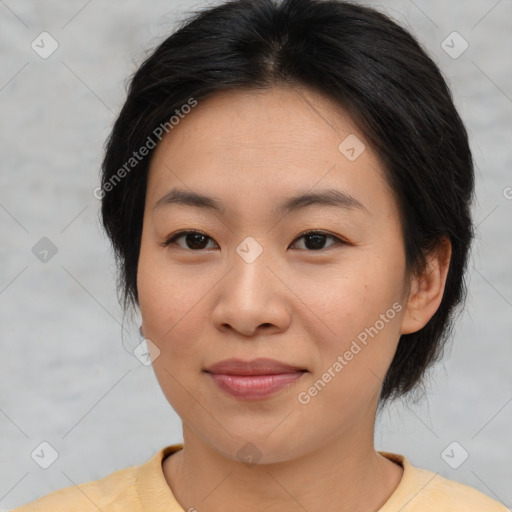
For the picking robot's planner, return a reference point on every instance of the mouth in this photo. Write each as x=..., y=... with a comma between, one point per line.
x=260, y=366
x=254, y=387
x=254, y=380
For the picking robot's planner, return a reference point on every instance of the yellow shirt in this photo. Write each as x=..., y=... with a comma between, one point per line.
x=144, y=489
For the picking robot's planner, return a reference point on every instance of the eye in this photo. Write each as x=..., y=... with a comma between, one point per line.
x=195, y=240
x=315, y=240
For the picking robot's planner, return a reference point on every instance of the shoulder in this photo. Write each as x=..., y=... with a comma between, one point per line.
x=459, y=497
x=117, y=488
x=422, y=490
x=141, y=487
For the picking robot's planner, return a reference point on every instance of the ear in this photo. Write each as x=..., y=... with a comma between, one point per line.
x=427, y=290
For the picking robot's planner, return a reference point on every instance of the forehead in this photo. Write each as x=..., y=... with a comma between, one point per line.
x=296, y=117
x=265, y=144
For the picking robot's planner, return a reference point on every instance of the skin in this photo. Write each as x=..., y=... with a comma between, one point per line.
x=300, y=305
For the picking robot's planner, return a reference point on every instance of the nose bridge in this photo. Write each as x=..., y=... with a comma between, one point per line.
x=249, y=296
x=250, y=272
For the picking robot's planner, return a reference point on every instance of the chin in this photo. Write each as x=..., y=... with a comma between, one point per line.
x=257, y=449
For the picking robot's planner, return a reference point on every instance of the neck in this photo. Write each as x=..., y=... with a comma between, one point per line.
x=343, y=474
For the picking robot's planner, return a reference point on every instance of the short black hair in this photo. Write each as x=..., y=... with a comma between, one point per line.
x=352, y=54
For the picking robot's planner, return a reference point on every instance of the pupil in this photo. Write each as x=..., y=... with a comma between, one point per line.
x=195, y=238
x=318, y=240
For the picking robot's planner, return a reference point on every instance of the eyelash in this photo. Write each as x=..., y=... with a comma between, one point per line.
x=172, y=239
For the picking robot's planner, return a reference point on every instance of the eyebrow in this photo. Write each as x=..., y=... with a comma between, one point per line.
x=327, y=197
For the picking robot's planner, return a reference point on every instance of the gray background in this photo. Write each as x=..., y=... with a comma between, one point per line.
x=66, y=375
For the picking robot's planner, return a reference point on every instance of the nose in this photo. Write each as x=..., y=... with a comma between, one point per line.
x=252, y=298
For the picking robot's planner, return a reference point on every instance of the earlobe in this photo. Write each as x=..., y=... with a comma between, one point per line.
x=427, y=290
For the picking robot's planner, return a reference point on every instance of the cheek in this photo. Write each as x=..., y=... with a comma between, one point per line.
x=153, y=302
x=170, y=305
x=158, y=295
x=167, y=308
x=357, y=313
x=343, y=299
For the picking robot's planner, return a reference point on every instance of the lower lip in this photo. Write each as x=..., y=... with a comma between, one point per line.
x=254, y=387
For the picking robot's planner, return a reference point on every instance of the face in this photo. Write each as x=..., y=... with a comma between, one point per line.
x=252, y=281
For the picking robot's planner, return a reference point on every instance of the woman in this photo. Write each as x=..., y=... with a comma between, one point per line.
x=288, y=190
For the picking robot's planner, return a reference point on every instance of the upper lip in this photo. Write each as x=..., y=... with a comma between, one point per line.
x=260, y=366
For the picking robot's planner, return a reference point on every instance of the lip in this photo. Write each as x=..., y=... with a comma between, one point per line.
x=253, y=380
x=260, y=366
